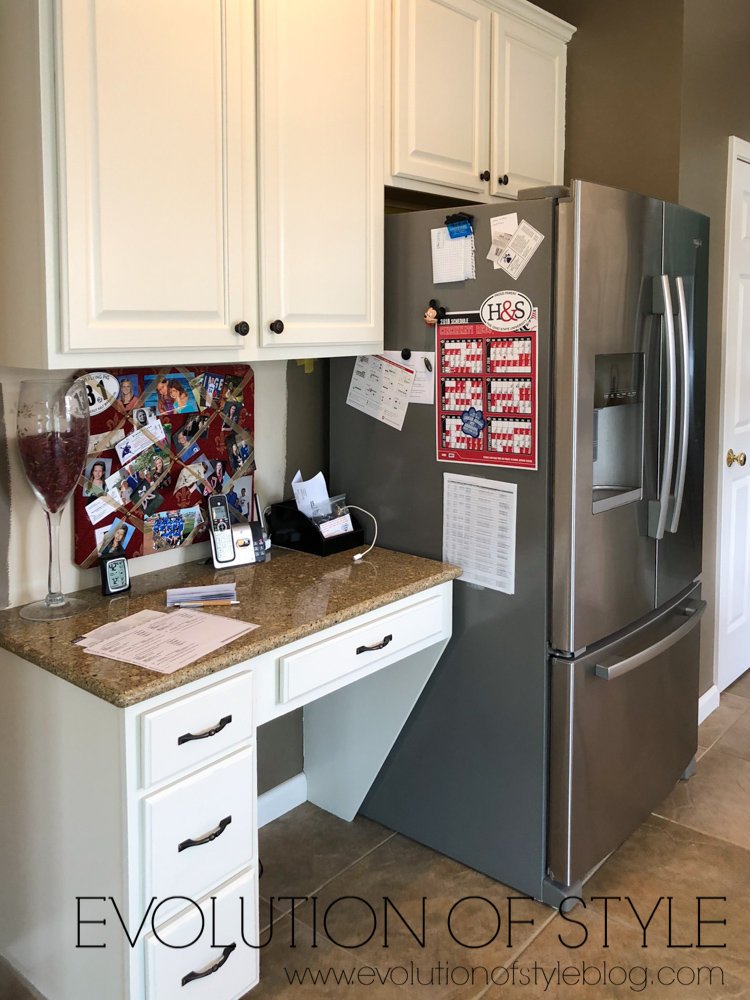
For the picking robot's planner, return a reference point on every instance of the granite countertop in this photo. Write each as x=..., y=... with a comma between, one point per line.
x=290, y=596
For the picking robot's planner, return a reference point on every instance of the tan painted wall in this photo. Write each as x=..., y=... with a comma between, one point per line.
x=623, y=92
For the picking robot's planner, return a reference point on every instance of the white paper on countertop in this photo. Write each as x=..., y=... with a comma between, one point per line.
x=479, y=530
x=115, y=628
x=171, y=641
x=312, y=496
x=423, y=386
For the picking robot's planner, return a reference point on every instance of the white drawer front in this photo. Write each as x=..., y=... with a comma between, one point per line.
x=218, y=801
x=323, y=662
x=167, y=967
x=185, y=732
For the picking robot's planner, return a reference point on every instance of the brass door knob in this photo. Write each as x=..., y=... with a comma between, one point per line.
x=732, y=458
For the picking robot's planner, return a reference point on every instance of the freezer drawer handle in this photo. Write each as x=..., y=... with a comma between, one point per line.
x=187, y=737
x=612, y=667
x=378, y=645
x=191, y=976
x=208, y=838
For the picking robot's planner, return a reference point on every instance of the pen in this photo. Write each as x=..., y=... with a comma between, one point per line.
x=204, y=604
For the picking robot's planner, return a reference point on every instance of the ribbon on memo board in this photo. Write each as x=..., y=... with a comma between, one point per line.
x=162, y=440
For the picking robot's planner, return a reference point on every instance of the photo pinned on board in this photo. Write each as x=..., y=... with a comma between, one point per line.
x=185, y=450
x=239, y=494
x=96, y=474
x=143, y=416
x=128, y=394
x=231, y=415
x=202, y=470
x=197, y=425
x=230, y=390
x=234, y=453
x=114, y=538
x=219, y=476
x=132, y=483
x=160, y=471
x=170, y=528
x=170, y=393
x=213, y=385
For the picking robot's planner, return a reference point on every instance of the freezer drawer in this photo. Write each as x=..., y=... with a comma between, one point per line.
x=623, y=728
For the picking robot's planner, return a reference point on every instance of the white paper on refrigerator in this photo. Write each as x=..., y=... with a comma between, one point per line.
x=479, y=530
x=422, y=363
x=381, y=389
x=519, y=251
x=452, y=259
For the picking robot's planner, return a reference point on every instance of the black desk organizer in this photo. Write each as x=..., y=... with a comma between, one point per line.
x=292, y=530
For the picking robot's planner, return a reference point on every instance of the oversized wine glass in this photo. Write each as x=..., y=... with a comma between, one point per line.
x=53, y=435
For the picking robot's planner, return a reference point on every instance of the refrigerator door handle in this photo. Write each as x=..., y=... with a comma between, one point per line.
x=611, y=667
x=682, y=451
x=657, y=530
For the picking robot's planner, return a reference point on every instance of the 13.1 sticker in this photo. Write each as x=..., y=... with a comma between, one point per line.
x=101, y=389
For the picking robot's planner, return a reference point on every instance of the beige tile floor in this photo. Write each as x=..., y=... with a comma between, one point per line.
x=697, y=843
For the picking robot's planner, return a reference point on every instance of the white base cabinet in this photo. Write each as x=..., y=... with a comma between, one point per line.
x=124, y=829
x=477, y=97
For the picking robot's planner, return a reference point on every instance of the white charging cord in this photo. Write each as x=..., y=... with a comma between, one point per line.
x=361, y=555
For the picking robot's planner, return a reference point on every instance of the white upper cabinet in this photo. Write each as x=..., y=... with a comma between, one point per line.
x=478, y=96
x=441, y=92
x=528, y=101
x=151, y=119
x=320, y=162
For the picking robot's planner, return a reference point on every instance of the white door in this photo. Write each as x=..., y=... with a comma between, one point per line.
x=151, y=117
x=441, y=92
x=733, y=569
x=528, y=106
x=320, y=206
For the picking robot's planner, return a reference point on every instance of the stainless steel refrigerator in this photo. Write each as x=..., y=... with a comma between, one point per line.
x=560, y=715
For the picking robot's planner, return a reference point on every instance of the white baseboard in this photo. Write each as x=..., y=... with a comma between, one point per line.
x=708, y=703
x=281, y=799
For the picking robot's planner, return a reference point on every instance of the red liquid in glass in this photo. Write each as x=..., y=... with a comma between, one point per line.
x=53, y=462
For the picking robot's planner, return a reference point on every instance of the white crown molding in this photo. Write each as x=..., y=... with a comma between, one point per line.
x=534, y=16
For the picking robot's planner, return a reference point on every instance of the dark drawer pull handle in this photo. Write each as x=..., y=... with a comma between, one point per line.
x=204, y=736
x=379, y=645
x=213, y=968
x=208, y=838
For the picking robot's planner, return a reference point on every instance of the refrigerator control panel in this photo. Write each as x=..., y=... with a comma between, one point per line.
x=487, y=389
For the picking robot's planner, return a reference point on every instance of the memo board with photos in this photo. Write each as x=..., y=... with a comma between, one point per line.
x=162, y=440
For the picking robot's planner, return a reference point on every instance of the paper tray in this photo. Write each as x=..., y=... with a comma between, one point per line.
x=292, y=530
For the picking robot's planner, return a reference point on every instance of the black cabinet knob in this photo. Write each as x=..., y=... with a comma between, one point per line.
x=503, y=179
x=484, y=176
x=242, y=328
x=277, y=326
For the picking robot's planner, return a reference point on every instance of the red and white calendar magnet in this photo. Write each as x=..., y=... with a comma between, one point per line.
x=487, y=392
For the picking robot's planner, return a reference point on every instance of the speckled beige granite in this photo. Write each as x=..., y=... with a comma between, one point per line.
x=290, y=596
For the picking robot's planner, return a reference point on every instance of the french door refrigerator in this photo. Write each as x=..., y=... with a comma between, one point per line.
x=559, y=715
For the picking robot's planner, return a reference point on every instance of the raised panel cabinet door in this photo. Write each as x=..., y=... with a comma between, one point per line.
x=441, y=92
x=152, y=105
x=320, y=205
x=528, y=107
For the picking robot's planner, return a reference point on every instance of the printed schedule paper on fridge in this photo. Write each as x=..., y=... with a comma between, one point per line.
x=479, y=530
x=486, y=391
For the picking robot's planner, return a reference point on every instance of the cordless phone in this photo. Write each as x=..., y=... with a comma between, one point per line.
x=222, y=542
